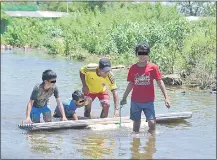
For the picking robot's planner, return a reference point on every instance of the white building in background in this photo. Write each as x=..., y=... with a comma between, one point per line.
x=38, y=14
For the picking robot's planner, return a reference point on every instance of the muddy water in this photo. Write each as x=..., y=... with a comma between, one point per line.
x=193, y=138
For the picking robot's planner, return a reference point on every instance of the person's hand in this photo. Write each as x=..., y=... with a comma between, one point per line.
x=123, y=102
x=75, y=117
x=64, y=119
x=27, y=120
x=85, y=89
x=116, y=113
x=167, y=103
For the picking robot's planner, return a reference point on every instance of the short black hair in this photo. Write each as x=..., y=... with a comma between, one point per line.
x=143, y=47
x=48, y=74
x=76, y=95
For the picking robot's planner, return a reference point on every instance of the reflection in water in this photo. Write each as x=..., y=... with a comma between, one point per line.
x=97, y=147
x=15, y=76
x=176, y=124
x=146, y=152
x=42, y=144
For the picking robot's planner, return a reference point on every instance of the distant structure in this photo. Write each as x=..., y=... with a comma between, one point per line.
x=33, y=14
x=197, y=18
x=39, y=14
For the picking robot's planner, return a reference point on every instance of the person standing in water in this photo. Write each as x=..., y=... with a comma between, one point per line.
x=140, y=77
x=94, y=78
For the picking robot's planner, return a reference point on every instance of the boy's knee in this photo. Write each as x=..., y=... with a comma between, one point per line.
x=87, y=108
x=89, y=100
x=105, y=104
x=47, y=117
x=87, y=111
x=151, y=124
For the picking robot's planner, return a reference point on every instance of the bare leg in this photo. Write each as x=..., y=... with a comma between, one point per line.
x=87, y=109
x=136, y=126
x=75, y=117
x=105, y=109
x=47, y=117
x=151, y=124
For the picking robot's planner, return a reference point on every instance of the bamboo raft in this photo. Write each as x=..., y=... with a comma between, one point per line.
x=167, y=117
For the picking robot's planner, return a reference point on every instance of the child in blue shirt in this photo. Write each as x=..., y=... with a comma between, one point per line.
x=78, y=100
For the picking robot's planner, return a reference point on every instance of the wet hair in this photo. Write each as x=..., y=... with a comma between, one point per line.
x=142, y=47
x=48, y=74
x=76, y=95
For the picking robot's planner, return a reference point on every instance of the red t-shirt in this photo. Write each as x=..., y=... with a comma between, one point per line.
x=142, y=78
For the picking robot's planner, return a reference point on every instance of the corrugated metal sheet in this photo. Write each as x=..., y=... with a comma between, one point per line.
x=196, y=18
x=45, y=14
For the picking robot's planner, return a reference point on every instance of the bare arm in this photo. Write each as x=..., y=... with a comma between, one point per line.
x=128, y=90
x=61, y=108
x=85, y=87
x=82, y=76
x=75, y=117
x=33, y=97
x=29, y=108
x=28, y=111
x=163, y=89
x=115, y=97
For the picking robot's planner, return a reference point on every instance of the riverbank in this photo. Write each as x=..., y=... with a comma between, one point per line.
x=22, y=48
x=177, y=79
x=177, y=45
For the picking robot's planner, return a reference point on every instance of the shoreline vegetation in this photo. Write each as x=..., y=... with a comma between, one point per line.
x=180, y=47
x=170, y=79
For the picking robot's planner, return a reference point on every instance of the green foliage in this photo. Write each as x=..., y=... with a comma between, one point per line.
x=189, y=8
x=2, y=40
x=31, y=32
x=57, y=47
x=201, y=43
x=115, y=28
x=204, y=72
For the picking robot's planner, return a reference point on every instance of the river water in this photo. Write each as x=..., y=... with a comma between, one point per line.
x=193, y=138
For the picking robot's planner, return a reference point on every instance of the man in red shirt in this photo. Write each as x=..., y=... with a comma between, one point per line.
x=140, y=78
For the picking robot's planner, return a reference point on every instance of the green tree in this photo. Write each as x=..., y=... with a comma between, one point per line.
x=189, y=8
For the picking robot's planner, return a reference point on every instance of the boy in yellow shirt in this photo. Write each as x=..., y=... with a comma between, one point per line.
x=94, y=79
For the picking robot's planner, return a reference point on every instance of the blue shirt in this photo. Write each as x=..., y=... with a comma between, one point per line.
x=68, y=105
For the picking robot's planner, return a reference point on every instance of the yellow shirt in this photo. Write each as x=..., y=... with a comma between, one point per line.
x=95, y=83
